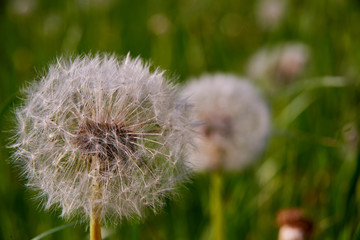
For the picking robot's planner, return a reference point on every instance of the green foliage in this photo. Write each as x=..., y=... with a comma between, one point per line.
x=311, y=161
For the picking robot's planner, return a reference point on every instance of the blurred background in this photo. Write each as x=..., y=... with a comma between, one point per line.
x=304, y=56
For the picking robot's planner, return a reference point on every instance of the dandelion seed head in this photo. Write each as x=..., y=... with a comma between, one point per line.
x=98, y=117
x=280, y=64
x=293, y=224
x=232, y=119
x=270, y=13
x=290, y=233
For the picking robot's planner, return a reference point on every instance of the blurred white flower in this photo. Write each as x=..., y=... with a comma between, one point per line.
x=292, y=60
x=261, y=65
x=158, y=24
x=23, y=7
x=97, y=118
x=269, y=13
x=233, y=122
x=293, y=225
x=290, y=233
x=281, y=63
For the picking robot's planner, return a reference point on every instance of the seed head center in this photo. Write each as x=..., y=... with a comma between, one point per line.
x=218, y=125
x=106, y=140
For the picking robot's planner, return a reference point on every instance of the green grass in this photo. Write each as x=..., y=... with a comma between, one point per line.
x=307, y=163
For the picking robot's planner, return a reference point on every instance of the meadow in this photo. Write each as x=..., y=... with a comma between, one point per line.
x=311, y=160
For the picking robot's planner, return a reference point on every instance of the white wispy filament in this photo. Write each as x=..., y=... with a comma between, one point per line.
x=104, y=119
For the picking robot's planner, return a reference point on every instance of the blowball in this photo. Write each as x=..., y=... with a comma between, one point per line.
x=280, y=64
x=270, y=13
x=103, y=125
x=233, y=122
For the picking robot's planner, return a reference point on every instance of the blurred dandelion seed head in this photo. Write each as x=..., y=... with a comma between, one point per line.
x=233, y=122
x=270, y=13
x=23, y=8
x=290, y=233
x=292, y=61
x=280, y=64
x=116, y=113
x=158, y=24
x=293, y=224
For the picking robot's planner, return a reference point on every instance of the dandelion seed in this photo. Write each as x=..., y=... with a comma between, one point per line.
x=233, y=122
x=101, y=135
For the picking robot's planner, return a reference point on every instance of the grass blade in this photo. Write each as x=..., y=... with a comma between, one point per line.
x=51, y=231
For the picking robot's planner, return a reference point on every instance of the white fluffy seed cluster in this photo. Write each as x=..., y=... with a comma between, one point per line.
x=103, y=119
x=270, y=13
x=280, y=64
x=233, y=122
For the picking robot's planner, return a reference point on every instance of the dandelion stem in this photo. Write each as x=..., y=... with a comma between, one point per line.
x=216, y=209
x=95, y=225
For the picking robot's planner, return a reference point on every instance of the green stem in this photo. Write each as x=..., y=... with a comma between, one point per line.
x=357, y=233
x=216, y=209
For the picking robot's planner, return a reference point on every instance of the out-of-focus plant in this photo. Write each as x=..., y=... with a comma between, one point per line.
x=233, y=126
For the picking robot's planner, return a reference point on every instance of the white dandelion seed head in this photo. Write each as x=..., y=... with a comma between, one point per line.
x=101, y=118
x=23, y=8
x=270, y=13
x=158, y=24
x=233, y=122
x=293, y=59
x=293, y=224
x=287, y=232
x=261, y=64
x=282, y=63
